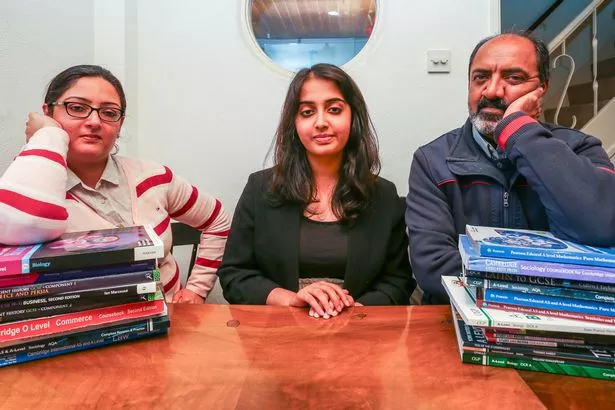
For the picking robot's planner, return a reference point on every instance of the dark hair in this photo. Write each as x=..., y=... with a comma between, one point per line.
x=68, y=77
x=292, y=176
x=542, y=53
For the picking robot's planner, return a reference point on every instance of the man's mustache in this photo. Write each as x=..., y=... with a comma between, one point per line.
x=496, y=103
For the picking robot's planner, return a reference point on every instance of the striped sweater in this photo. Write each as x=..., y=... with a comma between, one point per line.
x=35, y=207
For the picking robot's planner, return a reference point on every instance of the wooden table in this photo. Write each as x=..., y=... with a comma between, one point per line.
x=256, y=357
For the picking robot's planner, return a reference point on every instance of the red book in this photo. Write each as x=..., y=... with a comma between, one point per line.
x=26, y=329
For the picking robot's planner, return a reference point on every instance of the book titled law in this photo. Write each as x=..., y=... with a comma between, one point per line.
x=77, y=250
x=535, y=245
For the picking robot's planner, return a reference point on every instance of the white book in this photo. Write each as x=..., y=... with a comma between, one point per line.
x=463, y=300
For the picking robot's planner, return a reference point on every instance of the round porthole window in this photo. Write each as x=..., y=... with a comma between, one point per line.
x=300, y=33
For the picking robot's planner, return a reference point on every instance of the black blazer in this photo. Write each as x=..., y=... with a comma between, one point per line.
x=262, y=250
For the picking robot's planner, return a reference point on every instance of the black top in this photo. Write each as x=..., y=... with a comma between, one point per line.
x=323, y=247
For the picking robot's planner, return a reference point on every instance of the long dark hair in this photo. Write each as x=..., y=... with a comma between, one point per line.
x=64, y=80
x=292, y=175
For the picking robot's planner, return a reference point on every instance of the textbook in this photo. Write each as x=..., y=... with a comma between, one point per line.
x=474, y=340
x=76, y=250
x=534, y=363
x=535, y=245
x=473, y=261
x=465, y=303
x=528, y=288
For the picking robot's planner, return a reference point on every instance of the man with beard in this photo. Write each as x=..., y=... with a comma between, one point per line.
x=504, y=168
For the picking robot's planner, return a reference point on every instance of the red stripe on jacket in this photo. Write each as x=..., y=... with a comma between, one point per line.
x=212, y=217
x=32, y=206
x=193, y=196
x=208, y=263
x=162, y=226
x=447, y=181
x=154, y=181
x=221, y=233
x=50, y=155
x=607, y=169
x=475, y=183
x=513, y=127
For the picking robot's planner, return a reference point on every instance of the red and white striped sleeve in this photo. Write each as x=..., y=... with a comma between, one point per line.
x=33, y=190
x=200, y=210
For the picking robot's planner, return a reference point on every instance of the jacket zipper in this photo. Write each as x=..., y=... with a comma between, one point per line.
x=506, y=221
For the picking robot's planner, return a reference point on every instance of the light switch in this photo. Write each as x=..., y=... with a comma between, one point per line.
x=438, y=61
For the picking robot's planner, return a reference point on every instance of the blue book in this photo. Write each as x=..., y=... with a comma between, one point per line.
x=546, y=302
x=474, y=262
x=74, y=342
x=523, y=244
x=563, y=292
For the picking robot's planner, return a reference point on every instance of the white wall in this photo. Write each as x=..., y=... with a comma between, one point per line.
x=38, y=38
x=208, y=104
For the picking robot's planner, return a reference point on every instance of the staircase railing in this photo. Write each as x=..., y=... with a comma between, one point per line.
x=560, y=42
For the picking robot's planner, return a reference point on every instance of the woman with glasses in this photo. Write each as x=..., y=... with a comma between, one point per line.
x=320, y=229
x=68, y=178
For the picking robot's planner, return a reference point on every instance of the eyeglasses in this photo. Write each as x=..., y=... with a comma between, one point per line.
x=81, y=110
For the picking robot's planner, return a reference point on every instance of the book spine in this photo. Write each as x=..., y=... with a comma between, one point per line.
x=546, y=312
x=76, y=285
x=65, y=262
x=131, y=291
x=601, y=357
x=19, y=278
x=7, y=360
x=60, y=305
x=477, y=276
x=549, y=302
x=543, y=255
x=77, y=320
x=544, y=344
x=60, y=340
x=568, y=293
x=538, y=366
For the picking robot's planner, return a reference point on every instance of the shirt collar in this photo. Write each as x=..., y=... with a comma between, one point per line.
x=111, y=174
x=493, y=153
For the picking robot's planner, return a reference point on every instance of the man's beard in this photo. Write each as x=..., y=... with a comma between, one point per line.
x=485, y=122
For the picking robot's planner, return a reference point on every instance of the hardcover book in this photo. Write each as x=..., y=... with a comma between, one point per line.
x=465, y=303
x=76, y=250
x=473, y=261
x=534, y=363
x=535, y=245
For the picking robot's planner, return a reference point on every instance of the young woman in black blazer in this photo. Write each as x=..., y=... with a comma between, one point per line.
x=319, y=229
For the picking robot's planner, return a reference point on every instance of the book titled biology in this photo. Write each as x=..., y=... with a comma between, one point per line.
x=86, y=249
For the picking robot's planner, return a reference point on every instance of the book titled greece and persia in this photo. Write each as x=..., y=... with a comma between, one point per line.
x=77, y=250
x=535, y=245
x=465, y=303
x=473, y=261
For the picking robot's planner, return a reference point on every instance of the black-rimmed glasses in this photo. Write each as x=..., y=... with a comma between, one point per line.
x=82, y=110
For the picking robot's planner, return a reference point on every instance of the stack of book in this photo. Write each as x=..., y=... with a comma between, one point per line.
x=83, y=290
x=530, y=301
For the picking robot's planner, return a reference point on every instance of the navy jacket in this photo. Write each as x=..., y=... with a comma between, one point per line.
x=262, y=250
x=555, y=179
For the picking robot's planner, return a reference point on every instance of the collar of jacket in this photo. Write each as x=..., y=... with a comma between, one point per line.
x=466, y=158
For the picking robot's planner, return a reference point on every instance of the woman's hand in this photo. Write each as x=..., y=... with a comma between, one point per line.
x=37, y=121
x=325, y=299
x=187, y=296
